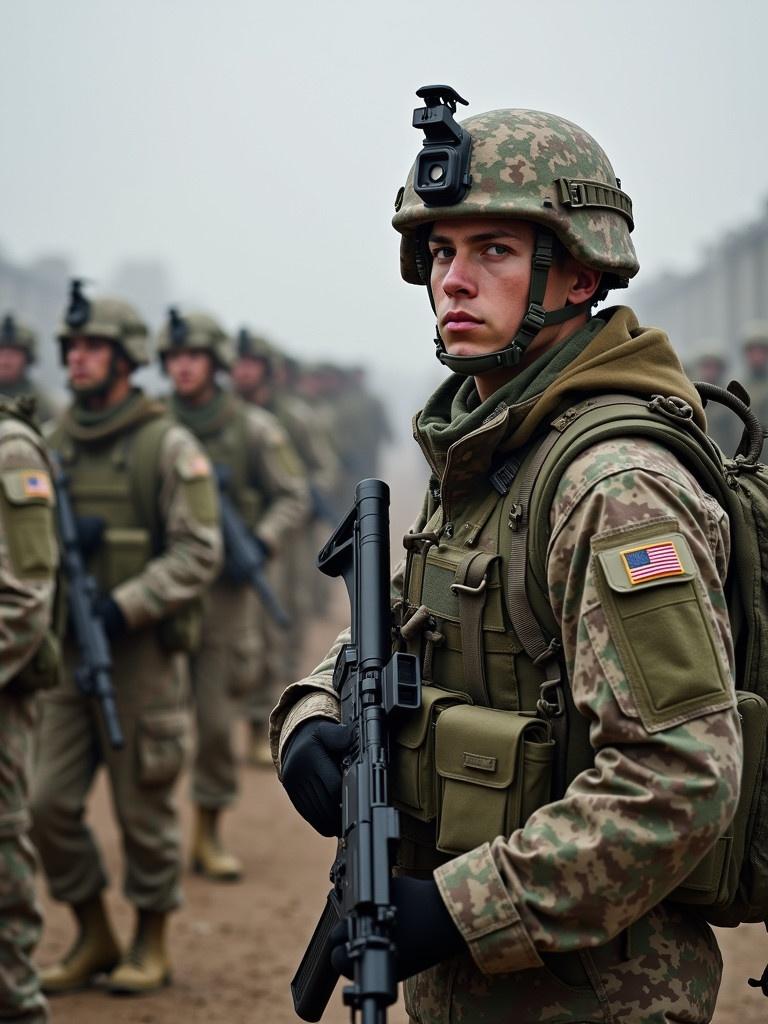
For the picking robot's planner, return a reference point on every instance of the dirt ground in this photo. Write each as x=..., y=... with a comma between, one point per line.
x=235, y=947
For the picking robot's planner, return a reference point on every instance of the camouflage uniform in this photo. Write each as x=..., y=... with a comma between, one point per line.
x=564, y=917
x=151, y=485
x=29, y=661
x=232, y=661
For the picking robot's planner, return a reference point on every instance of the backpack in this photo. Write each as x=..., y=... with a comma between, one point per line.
x=730, y=885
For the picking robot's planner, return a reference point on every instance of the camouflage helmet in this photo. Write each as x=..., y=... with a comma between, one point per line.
x=254, y=346
x=109, y=318
x=755, y=335
x=14, y=334
x=522, y=164
x=195, y=331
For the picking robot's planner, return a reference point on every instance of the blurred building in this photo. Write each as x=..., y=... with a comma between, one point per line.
x=727, y=289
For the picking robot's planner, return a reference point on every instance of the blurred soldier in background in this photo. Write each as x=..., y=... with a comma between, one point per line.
x=755, y=349
x=147, y=515
x=265, y=377
x=722, y=424
x=29, y=661
x=18, y=351
x=268, y=489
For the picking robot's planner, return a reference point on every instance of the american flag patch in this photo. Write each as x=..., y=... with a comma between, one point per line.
x=652, y=562
x=36, y=485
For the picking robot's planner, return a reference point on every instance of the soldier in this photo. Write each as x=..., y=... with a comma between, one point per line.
x=18, y=351
x=517, y=899
x=755, y=349
x=147, y=512
x=269, y=490
x=265, y=377
x=29, y=662
x=722, y=424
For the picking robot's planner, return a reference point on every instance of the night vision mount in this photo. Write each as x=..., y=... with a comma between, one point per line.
x=441, y=176
x=8, y=330
x=79, y=310
x=243, y=342
x=177, y=328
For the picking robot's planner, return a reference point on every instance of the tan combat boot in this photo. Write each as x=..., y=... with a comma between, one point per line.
x=208, y=857
x=95, y=951
x=144, y=968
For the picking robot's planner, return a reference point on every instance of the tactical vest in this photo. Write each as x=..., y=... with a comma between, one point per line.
x=116, y=478
x=479, y=757
x=227, y=444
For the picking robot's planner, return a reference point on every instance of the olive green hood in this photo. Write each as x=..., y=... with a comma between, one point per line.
x=611, y=354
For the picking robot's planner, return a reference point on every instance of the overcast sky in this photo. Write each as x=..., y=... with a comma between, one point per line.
x=256, y=148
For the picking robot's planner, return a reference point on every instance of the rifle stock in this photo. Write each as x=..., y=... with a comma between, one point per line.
x=372, y=684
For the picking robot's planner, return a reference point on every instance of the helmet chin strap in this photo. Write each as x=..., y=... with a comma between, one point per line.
x=535, y=319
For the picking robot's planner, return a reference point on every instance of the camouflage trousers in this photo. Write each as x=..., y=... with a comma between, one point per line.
x=20, y=918
x=666, y=968
x=227, y=667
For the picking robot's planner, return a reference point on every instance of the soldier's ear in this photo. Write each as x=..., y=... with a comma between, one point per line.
x=585, y=283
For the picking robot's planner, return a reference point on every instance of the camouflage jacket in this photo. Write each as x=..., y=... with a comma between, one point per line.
x=664, y=784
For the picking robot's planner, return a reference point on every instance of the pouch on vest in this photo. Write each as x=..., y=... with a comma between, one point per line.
x=412, y=754
x=122, y=554
x=494, y=770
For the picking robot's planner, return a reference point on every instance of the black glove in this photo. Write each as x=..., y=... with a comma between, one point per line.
x=424, y=932
x=90, y=533
x=311, y=772
x=110, y=613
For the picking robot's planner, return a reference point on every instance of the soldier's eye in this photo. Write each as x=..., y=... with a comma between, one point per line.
x=497, y=249
x=442, y=252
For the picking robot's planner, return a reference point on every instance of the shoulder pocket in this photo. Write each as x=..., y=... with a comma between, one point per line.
x=661, y=625
x=27, y=501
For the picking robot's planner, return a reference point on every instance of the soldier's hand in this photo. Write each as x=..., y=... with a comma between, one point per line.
x=90, y=533
x=424, y=932
x=311, y=772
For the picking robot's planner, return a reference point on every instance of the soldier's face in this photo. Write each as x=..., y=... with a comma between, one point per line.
x=89, y=362
x=191, y=372
x=481, y=272
x=13, y=362
x=248, y=375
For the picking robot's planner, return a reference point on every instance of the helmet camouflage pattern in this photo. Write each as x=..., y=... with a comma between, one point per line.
x=534, y=166
x=109, y=318
x=198, y=332
x=14, y=334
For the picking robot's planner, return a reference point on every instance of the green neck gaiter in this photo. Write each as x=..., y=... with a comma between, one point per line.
x=203, y=420
x=455, y=409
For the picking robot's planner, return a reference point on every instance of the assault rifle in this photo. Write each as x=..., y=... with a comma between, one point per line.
x=372, y=683
x=245, y=556
x=94, y=673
